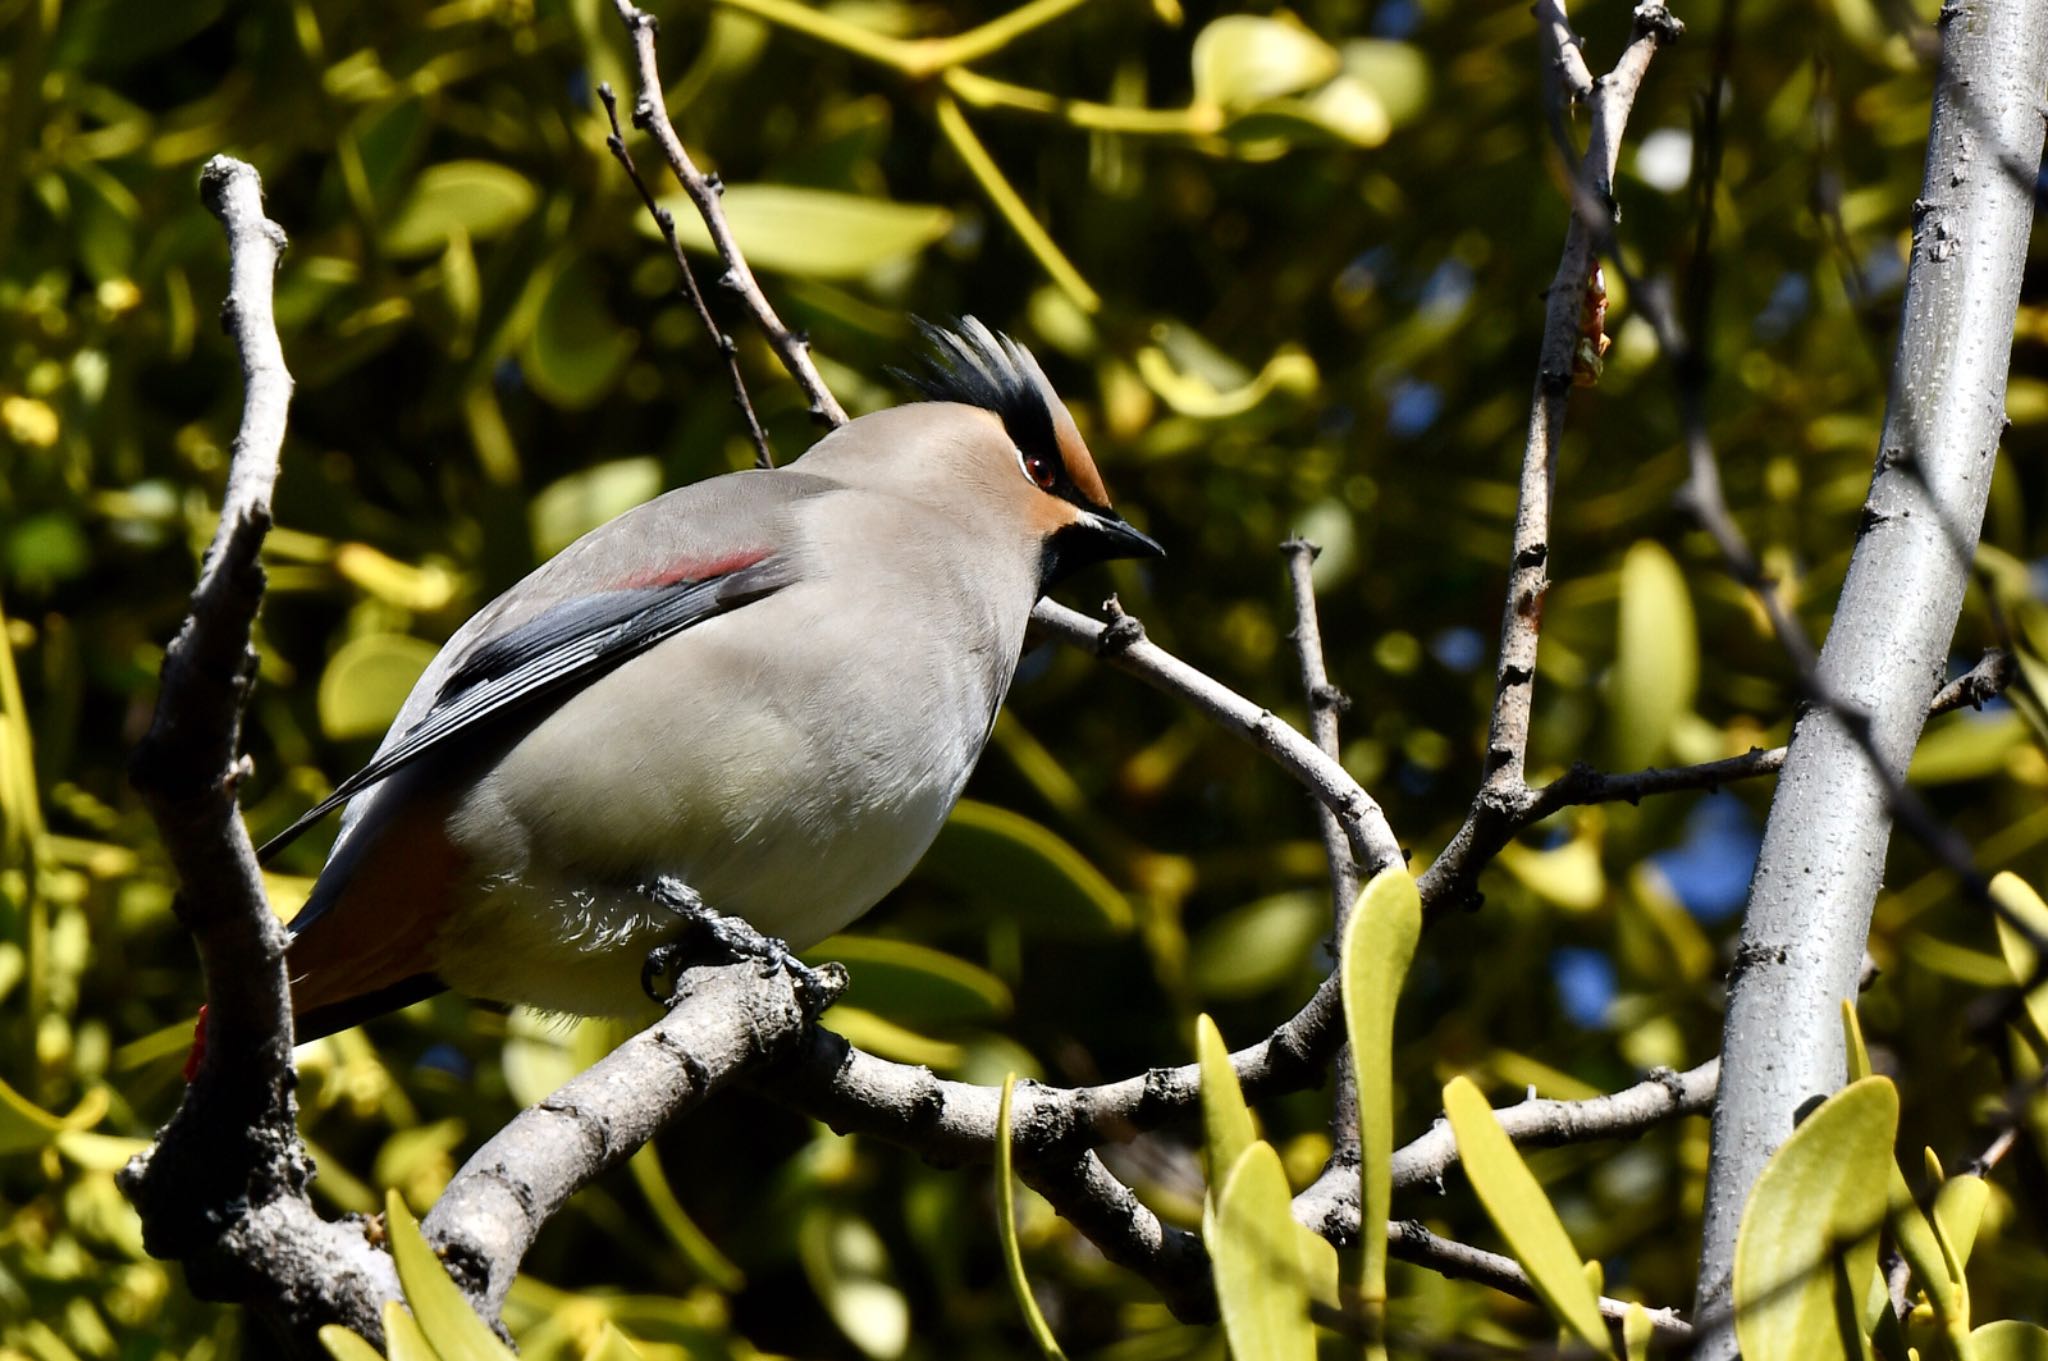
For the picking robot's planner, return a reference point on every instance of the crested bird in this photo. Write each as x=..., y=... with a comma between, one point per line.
x=761, y=693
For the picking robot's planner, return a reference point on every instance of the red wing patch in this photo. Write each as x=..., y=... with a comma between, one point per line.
x=691, y=569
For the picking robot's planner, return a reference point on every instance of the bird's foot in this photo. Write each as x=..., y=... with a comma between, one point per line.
x=715, y=936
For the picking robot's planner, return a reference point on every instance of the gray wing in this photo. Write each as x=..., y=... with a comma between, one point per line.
x=646, y=576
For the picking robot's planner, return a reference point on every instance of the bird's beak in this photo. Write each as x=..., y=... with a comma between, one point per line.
x=1119, y=538
x=1090, y=537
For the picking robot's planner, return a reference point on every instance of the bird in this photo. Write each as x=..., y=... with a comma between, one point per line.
x=756, y=697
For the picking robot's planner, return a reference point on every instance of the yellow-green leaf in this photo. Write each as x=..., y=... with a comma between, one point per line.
x=1009, y=862
x=1637, y=1333
x=1523, y=1214
x=1192, y=391
x=446, y=1320
x=1261, y=1283
x=1966, y=745
x=1918, y=1243
x=1258, y=946
x=814, y=233
x=697, y=1249
x=1397, y=74
x=576, y=350
x=1656, y=659
x=1568, y=876
x=570, y=507
x=1852, y=1039
x=1006, y=1225
x=1227, y=1128
x=1807, y=1247
x=344, y=1345
x=403, y=1340
x=2023, y=909
x=1379, y=944
x=2009, y=1340
x=848, y=1265
x=366, y=682
x=25, y=1125
x=1245, y=59
x=913, y=983
x=480, y=198
x=613, y=1345
x=1958, y=1211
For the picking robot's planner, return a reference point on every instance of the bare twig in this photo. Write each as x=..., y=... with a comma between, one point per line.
x=650, y=114
x=1411, y=1242
x=764, y=457
x=1504, y=786
x=223, y=1190
x=1325, y=703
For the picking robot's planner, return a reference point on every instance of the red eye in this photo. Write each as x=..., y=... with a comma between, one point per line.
x=1041, y=470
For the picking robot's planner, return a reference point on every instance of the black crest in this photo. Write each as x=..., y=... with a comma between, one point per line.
x=970, y=364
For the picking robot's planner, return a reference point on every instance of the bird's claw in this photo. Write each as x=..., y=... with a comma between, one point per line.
x=729, y=938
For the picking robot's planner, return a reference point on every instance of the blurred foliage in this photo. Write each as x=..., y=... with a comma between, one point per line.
x=1287, y=269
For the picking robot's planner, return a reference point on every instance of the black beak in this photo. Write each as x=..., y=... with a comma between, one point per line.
x=1097, y=536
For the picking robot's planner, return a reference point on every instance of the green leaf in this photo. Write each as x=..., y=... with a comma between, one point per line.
x=1244, y=59
x=1261, y=1280
x=1958, y=1213
x=403, y=1340
x=2009, y=1340
x=1656, y=662
x=813, y=233
x=1397, y=74
x=1227, y=1127
x=1258, y=946
x=613, y=1345
x=1807, y=1247
x=879, y=1035
x=914, y=984
x=1637, y=1333
x=1852, y=1040
x=482, y=199
x=1966, y=745
x=1568, y=876
x=2023, y=909
x=849, y=1268
x=344, y=1345
x=366, y=682
x=443, y=1312
x=570, y=507
x=1005, y=860
x=25, y=1125
x=697, y=1249
x=577, y=349
x=1006, y=1225
x=1379, y=944
x=1523, y=1215
x=1919, y=1245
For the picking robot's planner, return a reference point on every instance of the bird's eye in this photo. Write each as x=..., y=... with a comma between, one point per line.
x=1040, y=469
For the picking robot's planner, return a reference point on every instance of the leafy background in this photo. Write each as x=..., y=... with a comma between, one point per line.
x=1319, y=299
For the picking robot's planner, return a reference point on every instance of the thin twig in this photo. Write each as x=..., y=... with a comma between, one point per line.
x=1411, y=1242
x=650, y=115
x=764, y=456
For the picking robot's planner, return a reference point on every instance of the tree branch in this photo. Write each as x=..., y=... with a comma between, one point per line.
x=1824, y=844
x=223, y=1190
x=764, y=457
x=1411, y=1242
x=650, y=114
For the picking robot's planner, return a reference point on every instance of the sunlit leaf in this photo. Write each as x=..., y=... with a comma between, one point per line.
x=1523, y=1214
x=1807, y=1247
x=1261, y=1286
x=1244, y=59
x=1007, y=861
x=613, y=1345
x=1637, y=1333
x=915, y=983
x=1569, y=876
x=1656, y=662
x=2009, y=1340
x=1258, y=946
x=880, y=1035
x=343, y=1345
x=481, y=199
x=1378, y=945
x=403, y=1338
x=849, y=1268
x=577, y=349
x=1966, y=745
x=570, y=507
x=1397, y=73
x=1227, y=1128
x=815, y=233
x=1191, y=392
x=438, y=1305
x=1006, y=1223
x=2024, y=920
x=366, y=682
x=25, y=1125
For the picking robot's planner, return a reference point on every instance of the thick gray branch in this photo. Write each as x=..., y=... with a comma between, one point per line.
x=223, y=1190
x=1824, y=845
